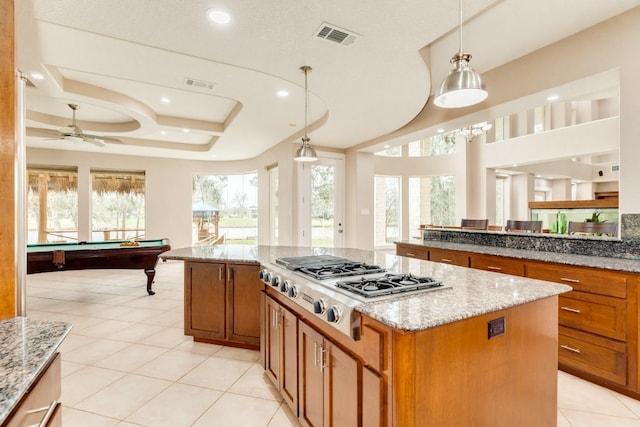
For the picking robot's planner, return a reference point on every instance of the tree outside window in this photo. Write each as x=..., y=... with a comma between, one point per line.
x=117, y=205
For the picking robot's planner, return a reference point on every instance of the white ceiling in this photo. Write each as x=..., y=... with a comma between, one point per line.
x=118, y=58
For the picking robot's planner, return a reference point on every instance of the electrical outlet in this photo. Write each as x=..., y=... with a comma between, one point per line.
x=496, y=327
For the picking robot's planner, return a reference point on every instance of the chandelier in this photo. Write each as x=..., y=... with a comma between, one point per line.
x=470, y=132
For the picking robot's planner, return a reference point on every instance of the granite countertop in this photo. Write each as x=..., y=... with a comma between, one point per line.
x=27, y=346
x=603, y=262
x=467, y=293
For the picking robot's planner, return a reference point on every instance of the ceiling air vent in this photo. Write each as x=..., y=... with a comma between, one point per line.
x=336, y=34
x=615, y=168
x=200, y=84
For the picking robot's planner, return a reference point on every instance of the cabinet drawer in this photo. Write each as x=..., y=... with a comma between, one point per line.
x=498, y=264
x=592, y=354
x=449, y=257
x=594, y=313
x=581, y=279
x=412, y=251
x=40, y=398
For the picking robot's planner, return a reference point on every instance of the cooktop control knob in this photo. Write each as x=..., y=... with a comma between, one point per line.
x=261, y=274
x=266, y=277
x=275, y=282
x=293, y=291
x=319, y=306
x=284, y=286
x=333, y=314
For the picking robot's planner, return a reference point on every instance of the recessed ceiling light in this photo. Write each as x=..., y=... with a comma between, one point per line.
x=440, y=130
x=552, y=98
x=514, y=165
x=163, y=132
x=282, y=93
x=386, y=146
x=185, y=130
x=165, y=100
x=218, y=16
x=37, y=76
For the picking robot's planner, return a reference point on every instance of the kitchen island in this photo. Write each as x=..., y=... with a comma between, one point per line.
x=30, y=371
x=480, y=351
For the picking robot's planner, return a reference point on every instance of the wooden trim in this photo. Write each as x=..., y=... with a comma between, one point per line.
x=7, y=159
x=572, y=204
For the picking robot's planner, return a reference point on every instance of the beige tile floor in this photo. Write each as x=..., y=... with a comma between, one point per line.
x=126, y=361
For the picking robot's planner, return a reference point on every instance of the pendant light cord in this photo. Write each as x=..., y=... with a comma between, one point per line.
x=306, y=103
x=460, y=27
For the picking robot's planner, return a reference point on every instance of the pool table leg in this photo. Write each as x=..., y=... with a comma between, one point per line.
x=151, y=273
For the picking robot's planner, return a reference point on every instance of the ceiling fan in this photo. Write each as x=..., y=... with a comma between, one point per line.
x=73, y=132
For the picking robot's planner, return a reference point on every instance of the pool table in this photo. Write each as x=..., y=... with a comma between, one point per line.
x=97, y=255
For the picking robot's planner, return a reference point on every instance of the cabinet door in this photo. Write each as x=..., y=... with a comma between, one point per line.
x=289, y=360
x=272, y=340
x=341, y=380
x=311, y=377
x=205, y=295
x=372, y=398
x=244, y=299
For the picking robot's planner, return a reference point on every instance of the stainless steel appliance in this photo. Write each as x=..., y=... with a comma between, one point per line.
x=327, y=286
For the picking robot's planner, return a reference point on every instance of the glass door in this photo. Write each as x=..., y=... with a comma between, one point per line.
x=323, y=186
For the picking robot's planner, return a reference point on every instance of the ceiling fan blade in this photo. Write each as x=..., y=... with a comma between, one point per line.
x=102, y=138
x=43, y=133
x=95, y=140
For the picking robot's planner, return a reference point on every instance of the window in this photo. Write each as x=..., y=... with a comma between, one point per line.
x=390, y=152
x=117, y=205
x=501, y=200
x=225, y=208
x=538, y=119
x=431, y=201
x=52, y=205
x=387, y=209
x=322, y=205
x=273, y=205
x=436, y=145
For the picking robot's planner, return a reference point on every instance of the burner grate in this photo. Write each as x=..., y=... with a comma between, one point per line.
x=388, y=284
x=328, y=271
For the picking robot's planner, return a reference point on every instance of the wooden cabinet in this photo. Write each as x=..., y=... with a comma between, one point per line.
x=281, y=350
x=594, y=322
x=205, y=300
x=412, y=251
x=497, y=264
x=329, y=382
x=598, y=321
x=40, y=405
x=243, y=299
x=221, y=303
x=449, y=257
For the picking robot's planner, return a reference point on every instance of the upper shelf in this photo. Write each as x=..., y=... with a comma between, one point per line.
x=573, y=204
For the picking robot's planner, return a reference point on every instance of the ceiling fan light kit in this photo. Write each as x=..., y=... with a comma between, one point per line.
x=306, y=153
x=463, y=86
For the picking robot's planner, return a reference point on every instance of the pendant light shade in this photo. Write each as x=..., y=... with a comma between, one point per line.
x=306, y=153
x=463, y=86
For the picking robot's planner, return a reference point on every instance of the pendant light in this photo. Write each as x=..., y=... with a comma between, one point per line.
x=306, y=153
x=463, y=86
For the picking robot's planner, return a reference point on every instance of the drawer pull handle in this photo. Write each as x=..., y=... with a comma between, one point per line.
x=491, y=267
x=48, y=414
x=567, y=279
x=566, y=347
x=446, y=260
x=410, y=254
x=573, y=310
